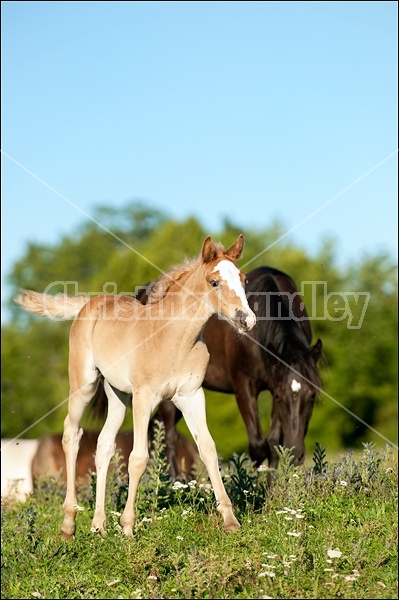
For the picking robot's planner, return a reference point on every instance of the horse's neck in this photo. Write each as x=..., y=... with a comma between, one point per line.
x=185, y=302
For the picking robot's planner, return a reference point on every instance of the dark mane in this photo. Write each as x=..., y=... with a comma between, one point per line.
x=282, y=320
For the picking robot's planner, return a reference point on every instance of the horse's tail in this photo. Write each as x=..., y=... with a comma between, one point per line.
x=60, y=306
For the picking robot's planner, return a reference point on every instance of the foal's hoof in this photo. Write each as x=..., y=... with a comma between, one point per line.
x=67, y=537
x=99, y=531
x=232, y=525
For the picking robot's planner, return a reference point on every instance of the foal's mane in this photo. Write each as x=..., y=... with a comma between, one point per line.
x=176, y=275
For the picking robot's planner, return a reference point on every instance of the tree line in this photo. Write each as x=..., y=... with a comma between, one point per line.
x=353, y=309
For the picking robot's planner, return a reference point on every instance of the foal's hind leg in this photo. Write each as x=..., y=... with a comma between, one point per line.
x=83, y=384
x=193, y=409
x=105, y=451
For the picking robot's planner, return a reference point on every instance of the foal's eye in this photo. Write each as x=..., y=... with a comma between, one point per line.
x=214, y=283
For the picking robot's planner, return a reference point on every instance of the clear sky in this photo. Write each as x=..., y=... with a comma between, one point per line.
x=256, y=111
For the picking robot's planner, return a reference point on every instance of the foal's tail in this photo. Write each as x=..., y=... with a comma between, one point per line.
x=60, y=306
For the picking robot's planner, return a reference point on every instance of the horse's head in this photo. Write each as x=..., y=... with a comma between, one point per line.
x=225, y=283
x=294, y=396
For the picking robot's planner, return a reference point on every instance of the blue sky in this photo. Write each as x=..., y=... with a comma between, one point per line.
x=256, y=111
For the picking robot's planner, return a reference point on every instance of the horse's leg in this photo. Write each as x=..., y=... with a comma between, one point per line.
x=275, y=437
x=83, y=380
x=105, y=451
x=193, y=409
x=167, y=413
x=138, y=459
x=247, y=400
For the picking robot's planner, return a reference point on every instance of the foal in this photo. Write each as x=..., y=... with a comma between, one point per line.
x=152, y=352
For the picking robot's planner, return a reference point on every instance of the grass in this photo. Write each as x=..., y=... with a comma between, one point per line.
x=325, y=531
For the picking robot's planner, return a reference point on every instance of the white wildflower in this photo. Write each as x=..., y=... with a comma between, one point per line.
x=294, y=533
x=343, y=483
x=178, y=485
x=179, y=537
x=266, y=574
x=334, y=553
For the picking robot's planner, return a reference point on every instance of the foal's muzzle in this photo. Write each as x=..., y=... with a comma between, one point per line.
x=246, y=320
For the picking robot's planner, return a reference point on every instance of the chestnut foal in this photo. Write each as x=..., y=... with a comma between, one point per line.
x=152, y=352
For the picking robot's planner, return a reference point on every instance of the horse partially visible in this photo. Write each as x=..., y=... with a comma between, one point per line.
x=151, y=352
x=16, y=477
x=276, y=355
x=49, y=458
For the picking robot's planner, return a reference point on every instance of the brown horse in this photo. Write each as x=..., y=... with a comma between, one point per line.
x=152, y=352
x=49, y=458
x=276, y=355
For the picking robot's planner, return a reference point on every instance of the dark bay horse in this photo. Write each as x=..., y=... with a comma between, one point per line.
x=151, y=352
x=276, y=355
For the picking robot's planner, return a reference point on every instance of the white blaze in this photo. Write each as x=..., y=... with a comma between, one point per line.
x=230, y=274
x=295, y=385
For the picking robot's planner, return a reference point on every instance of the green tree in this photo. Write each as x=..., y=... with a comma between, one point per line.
x=360, y=367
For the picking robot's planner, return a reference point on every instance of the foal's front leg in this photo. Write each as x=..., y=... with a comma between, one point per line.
x=193, y=409
x=142, y=409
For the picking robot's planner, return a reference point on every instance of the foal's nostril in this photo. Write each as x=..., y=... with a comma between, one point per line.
x=242, y=317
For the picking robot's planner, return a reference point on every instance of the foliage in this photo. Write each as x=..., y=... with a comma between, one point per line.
x=339, y=527
x=359, y=371
x=319, y=456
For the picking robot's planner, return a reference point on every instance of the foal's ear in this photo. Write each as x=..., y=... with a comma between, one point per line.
x=235, y=251
x=209, y=251
x=316, y=350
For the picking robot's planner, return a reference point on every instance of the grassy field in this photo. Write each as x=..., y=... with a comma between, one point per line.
x=325, y=531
